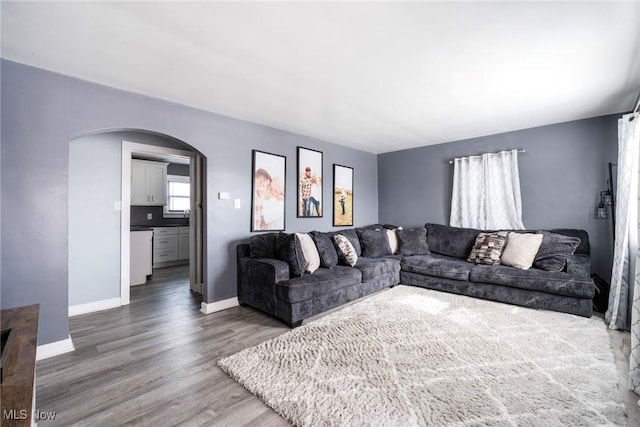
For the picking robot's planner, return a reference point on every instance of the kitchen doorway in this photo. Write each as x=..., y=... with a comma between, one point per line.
x=191, y=236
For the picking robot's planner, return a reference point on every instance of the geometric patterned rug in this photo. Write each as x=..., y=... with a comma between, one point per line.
x=409, y=356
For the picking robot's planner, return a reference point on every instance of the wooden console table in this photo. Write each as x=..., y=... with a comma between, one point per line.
x=17, y=392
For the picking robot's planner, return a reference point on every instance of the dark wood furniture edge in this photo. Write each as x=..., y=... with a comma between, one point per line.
x=17, y=389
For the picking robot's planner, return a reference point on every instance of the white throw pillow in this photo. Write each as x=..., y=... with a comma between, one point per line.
x=521, y=250
x=393, y=241
x=310, y=252
x=347, y=249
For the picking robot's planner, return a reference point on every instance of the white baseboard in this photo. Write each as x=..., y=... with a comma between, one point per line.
x=90, y=307
x=54, y=349
x=212, y=307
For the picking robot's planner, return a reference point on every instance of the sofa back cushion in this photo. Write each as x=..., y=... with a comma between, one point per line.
x=412, y=241
x=289, y=250
x=263, y=245
x=374, y=242
x=451, y=241
x=326, y=249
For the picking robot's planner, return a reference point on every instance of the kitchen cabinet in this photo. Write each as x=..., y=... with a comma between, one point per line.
x=140, y=257
x=183, y=243
x=148, y=183
x=165, y=245
x=170, y=246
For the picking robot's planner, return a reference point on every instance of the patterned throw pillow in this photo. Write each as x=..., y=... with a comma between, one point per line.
x=488, y=248
x=347, y=249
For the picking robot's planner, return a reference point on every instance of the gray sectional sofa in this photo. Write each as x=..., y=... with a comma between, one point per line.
x=268, y=281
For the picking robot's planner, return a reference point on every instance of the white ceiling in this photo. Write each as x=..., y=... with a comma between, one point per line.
x=378, y=76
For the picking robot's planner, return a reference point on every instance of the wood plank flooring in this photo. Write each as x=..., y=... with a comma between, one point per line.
x=154, y=363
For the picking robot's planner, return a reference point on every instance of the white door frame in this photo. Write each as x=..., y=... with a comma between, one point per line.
x=128, y=149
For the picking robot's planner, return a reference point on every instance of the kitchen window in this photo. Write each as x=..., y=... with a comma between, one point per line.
x=178, y=196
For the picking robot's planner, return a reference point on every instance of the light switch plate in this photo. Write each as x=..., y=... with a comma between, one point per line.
x=149, y=216
x=236, y=203
x=223, y=195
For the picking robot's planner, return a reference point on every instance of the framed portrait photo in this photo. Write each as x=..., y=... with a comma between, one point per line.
x=268, y=191
x=342, y=196
x=309, y=202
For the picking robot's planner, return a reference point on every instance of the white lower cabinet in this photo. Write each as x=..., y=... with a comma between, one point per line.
x=170, y=244
x=140, y=257
x=183, y=243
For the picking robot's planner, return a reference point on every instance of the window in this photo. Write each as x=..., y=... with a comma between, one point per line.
x=178, y=196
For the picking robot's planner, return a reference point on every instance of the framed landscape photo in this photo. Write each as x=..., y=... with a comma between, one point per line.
x=267, y=191
x=342, y=195
x=309, y=202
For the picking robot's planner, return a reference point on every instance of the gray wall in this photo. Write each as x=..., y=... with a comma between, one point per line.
x=44, y=111
x=561, y=176
x=94, y=224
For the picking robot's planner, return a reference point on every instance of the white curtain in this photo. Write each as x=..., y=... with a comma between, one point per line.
x=626, y=244
x=486, y=192
x=624, y=273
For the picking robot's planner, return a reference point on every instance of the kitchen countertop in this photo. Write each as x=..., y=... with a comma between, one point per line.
x=151, y=227
x=140, y=228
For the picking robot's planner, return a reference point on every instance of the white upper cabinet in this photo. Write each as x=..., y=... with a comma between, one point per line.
x=148, y=183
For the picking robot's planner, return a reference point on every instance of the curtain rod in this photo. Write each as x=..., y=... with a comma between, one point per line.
x=520, y=150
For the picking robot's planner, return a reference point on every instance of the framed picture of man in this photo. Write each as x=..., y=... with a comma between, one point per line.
x=309, y=203
x=268, y=191
x=342, y=195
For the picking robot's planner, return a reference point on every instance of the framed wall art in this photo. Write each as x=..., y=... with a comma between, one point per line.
x=309, y=202
x=268, y=191
x=342, y=195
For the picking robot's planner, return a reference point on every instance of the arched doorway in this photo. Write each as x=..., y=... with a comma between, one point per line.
x=99, y=197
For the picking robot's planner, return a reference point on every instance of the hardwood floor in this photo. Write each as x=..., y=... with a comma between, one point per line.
x=154, y=363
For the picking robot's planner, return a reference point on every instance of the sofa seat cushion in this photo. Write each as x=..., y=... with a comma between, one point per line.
x=534, y=279
x=322, y=281
x=438, y=266
x=373, y=268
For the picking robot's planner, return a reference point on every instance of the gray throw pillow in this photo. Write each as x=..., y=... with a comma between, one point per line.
x=375, y=243
x=289, y=249
x=263, y=245
x=412, y=241
x=326, y=249
x=554, y=251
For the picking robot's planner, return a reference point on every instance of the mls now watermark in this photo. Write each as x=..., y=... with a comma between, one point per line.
x=23, y=414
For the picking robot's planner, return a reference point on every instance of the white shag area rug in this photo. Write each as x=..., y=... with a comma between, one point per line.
x=415, y=357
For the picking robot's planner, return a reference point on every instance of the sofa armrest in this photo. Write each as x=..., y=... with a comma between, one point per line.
x=257, y=279
x=579, y=265
x=270, y=269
